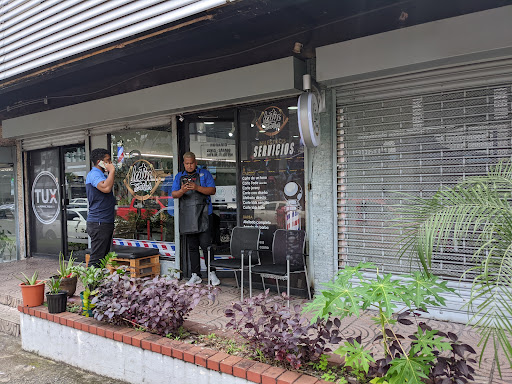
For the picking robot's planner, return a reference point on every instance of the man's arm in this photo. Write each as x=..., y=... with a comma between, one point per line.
x=177, y=190
x=105, y=186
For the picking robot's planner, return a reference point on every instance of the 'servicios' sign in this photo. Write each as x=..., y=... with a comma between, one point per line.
x=46, y=197
x=142, y=180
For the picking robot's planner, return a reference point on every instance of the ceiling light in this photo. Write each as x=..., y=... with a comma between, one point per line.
x=208, y=122
x=252, y=125
x=293, y=107
x=262, y=131
x=156, y=155
x=230, y=134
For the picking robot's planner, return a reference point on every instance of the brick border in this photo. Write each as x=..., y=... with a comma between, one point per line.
x=205, y=357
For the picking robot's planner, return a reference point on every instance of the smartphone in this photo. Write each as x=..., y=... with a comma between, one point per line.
x=102, y=164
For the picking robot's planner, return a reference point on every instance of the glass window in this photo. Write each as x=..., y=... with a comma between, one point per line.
x=8, y=249
x=272, y=158
x=143, y=182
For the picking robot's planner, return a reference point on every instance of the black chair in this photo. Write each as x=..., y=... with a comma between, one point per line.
x=289, y=257
x=244, y=251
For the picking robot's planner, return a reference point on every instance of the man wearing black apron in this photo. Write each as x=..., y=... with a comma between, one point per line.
x=194, y=187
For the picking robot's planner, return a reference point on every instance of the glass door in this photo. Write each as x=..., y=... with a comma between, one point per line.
x=212, y=138
x=45, y=202
x=75, y=197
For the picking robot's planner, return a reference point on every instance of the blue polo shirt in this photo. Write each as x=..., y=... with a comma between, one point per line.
x=205, y=180
x=102, y=206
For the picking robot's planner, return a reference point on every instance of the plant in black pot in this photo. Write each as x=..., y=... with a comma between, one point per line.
x=66, y=274
x=55, y=297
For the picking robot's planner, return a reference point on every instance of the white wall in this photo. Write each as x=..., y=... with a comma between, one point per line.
x=475, y=36
x=112, y=358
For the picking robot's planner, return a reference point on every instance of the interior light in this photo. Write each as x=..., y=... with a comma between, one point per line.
x=293, y=107
x=295, y=136
x=263, y=126
x=252, y=125
x=230, y=134
x=262, y=131
x=209, y=122
x=155, y=155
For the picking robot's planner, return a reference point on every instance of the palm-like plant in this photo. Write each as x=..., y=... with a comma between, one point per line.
x=478, y=210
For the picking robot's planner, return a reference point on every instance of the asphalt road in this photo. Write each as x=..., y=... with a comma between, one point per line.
x=20, y=367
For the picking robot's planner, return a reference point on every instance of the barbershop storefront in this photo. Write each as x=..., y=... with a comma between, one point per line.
x=254, y=154
x=252, y=149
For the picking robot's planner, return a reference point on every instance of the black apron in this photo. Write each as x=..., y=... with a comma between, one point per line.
x=193, y=208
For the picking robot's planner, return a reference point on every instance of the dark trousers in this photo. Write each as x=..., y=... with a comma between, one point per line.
x=101, y=240
x=196, y=240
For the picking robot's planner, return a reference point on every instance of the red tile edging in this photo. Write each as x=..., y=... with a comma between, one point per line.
x=205, y=357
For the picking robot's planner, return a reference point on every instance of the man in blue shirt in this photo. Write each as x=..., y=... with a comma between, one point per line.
x=194, y=187
x=102, y=203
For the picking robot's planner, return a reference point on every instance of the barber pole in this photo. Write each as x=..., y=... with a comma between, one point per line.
x=292, y=215
x=120, y=154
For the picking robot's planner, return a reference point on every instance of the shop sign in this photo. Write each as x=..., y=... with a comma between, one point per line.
x=218, y=151
x=142, y=180
x=271, y=121
x=45, y=197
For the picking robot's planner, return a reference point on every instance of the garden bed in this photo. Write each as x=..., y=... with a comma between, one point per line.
x=135, y=356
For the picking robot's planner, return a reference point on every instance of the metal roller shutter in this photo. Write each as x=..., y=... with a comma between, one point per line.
x=55, y=140
x=413, y=143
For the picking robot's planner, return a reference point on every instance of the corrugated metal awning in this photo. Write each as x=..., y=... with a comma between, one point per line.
x=35, y=33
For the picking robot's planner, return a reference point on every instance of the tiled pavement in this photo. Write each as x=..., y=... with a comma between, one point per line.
x=212, y=314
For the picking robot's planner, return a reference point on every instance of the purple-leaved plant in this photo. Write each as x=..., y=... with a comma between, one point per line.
x=160, y=305
x=281, y=333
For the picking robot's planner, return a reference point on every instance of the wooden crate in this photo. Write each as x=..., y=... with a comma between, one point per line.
x=148, y=266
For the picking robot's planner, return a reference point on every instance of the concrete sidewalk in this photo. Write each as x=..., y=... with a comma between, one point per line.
x=213, y=314
x=20, y=367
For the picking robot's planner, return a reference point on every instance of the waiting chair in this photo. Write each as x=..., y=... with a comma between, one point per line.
x=289, y=257
x=244, y=251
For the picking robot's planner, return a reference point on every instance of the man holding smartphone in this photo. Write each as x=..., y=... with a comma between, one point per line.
x=102, y=203
x=194, y=187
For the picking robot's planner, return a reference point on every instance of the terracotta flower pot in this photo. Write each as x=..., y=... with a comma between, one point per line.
x=33, y=295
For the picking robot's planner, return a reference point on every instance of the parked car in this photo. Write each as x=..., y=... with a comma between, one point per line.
x=7, y=211
x=79, y=202
x=77, y=225
x=153, y=206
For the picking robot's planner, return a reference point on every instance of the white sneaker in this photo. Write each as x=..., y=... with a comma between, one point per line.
x=214, y=279
x=194, y=280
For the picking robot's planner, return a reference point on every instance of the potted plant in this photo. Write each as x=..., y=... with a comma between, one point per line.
x=55, y=297
x=67, y=276
x=32, y=290
x=91, y=277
